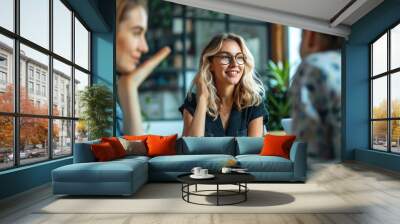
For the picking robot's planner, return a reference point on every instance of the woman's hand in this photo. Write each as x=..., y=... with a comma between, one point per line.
x=128, y=85
x=136, y=77
x=202, y=90
x=194, y=125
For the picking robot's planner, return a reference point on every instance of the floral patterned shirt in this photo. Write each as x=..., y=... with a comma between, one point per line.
x=316, y=103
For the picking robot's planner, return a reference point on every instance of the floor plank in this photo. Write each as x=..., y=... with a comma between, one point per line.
x=377, y=190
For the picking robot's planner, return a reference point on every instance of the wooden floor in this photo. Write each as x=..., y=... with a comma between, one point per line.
x=378, y=188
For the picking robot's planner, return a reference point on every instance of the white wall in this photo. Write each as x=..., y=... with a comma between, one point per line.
x=294, y=39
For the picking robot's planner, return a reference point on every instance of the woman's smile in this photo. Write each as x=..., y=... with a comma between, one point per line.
x=232, y=73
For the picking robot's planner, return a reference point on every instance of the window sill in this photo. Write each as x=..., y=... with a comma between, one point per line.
x=385, y=160
x=26, y=167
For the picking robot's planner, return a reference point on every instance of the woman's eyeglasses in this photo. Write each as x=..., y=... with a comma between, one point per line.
x=226, y=59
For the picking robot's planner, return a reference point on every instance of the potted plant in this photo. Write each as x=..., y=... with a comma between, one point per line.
x=277, y=99
x=96, y=102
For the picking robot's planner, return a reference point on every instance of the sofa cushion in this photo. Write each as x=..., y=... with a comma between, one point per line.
x=185, y=163
x=103, y=152
x=133, y=158
x=134, y=147
x=136, y=137
x=275, y=145
x=116, y=145
x=257, y=163
x=208, y=145
x=249, y=145
x=161, y=145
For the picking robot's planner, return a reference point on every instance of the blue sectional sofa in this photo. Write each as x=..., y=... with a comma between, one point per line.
x=125, y=176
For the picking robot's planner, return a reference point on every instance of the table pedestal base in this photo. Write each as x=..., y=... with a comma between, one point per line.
x=241, y=191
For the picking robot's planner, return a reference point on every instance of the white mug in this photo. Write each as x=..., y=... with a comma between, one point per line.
x=196, y=170
x=226, y=170
x=203, y=172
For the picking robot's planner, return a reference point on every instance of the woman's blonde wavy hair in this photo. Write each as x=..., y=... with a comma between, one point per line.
x=248, y=92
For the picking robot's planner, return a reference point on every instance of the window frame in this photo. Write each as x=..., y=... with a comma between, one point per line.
x=388, y=74
x=16, y=115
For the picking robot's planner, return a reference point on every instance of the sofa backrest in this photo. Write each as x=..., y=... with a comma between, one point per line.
x=83, y=152
x=249, y=145
x=191, y=146
x=207, y=145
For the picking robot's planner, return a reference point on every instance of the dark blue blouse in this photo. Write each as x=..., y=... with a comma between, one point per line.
x=238, y=121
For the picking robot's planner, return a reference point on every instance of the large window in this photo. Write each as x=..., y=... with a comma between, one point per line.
x=385, y=92
x=44, y=64
x=187, y=30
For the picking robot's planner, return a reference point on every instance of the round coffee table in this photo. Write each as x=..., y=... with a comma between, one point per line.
x=238, y=179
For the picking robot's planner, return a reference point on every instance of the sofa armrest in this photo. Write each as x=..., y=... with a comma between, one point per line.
x=298, y=155
x=83, y=152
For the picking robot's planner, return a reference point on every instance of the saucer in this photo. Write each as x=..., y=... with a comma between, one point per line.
x=208, y=176
x=240, y=171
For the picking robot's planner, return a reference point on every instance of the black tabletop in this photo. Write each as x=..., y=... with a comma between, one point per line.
x=220, y=178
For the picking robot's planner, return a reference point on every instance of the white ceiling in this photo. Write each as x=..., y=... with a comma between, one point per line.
x=317, y=15
x=321, y=9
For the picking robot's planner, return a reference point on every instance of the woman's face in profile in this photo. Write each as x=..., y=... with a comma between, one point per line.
x=228, y=64
x=130, y=39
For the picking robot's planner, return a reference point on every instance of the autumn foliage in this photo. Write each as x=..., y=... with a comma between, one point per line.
x=379, y=128
x=33, y=131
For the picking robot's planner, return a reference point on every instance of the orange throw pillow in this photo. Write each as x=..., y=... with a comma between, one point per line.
x=161, y=145
x=275, y=145
x=103, y=152
x=116, y=145
x=136, y=137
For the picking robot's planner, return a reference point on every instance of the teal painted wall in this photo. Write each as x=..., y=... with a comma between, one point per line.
x=356, y=85
x=356, y=102
x=99, y=16
x=103, y=50
x=102, y=61
x=24, y=178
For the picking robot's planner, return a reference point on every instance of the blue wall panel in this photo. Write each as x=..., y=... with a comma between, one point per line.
x=356, y=117
x=102, y=61
x=356, y=99
x=102, y=58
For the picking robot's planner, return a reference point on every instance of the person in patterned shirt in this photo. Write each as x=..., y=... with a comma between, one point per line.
x=315, y=94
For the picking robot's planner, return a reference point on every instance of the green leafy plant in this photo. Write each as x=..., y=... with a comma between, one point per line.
x=277, y=98
x=161, y=9
x=96, y=102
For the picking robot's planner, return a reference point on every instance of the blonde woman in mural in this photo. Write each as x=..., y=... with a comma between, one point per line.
x=130, y=45
x=229, y=96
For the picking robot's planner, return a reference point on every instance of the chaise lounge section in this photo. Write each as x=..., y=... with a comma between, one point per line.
x=87, y=177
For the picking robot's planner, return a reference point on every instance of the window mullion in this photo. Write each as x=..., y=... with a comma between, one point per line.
x=227, y=24
x=371, y=94
x=50, y=81
x=184, y=38
x=89, y=55
x=73, y=82
x=16, y=83
x=389, y=77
